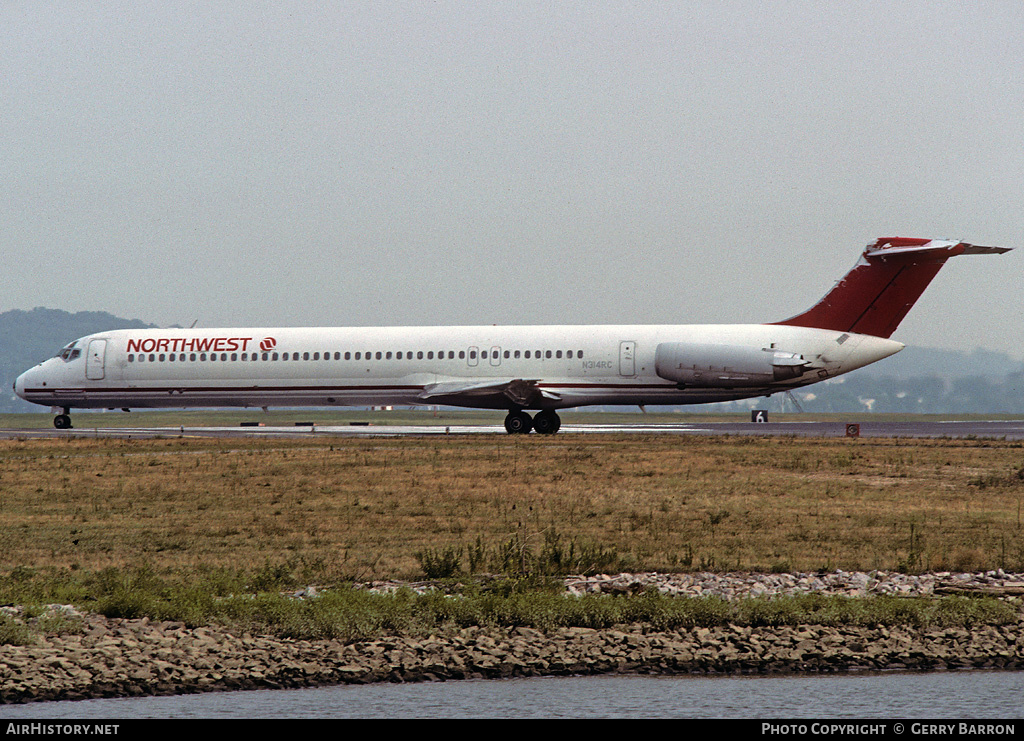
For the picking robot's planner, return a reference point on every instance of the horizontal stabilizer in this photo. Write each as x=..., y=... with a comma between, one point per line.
x=932, y=247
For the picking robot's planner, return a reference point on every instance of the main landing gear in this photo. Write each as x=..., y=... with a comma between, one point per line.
x=63, y=421
x=519, y=422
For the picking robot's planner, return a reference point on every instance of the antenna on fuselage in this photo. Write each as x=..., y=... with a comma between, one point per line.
x=193, y=324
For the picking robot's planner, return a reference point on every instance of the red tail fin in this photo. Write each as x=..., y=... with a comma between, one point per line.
x=892, y=273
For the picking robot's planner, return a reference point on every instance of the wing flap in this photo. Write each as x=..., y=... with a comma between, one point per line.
x=520, y=392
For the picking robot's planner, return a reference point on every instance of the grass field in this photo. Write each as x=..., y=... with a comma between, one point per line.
x=389, y=508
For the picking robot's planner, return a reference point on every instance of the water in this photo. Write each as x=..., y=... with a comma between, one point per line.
x=958, y=695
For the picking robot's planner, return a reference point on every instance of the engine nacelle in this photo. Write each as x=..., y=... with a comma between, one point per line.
x=725, y=366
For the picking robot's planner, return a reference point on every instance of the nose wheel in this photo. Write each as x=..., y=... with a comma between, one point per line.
x=63, y=421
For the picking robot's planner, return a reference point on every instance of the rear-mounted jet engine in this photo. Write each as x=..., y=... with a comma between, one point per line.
x=725, y=366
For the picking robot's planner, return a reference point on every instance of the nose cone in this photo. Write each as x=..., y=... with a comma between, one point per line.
x=19, y=385
x=31, y=381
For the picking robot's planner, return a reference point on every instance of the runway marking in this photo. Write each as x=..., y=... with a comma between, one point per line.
x=988, y=429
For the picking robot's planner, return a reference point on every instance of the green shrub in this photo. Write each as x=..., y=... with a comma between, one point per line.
x=14, y=633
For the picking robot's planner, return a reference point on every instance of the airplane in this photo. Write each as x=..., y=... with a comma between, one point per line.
x=514, y=368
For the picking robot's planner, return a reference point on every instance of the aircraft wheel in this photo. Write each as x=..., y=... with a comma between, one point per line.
x=62, y=422
x=547, y=422
x=518, y=423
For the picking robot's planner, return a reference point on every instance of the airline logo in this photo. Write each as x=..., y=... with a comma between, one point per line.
x=190, y=344
x=268, y=344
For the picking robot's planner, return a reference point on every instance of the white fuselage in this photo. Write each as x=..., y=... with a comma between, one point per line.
x=532, y=367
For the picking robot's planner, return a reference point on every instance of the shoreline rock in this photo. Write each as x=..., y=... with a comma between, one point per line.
x=126, y=658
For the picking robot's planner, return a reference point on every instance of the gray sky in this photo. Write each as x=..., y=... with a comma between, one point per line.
x=349, y=163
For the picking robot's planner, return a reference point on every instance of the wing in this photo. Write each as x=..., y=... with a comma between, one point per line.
x=504, y=391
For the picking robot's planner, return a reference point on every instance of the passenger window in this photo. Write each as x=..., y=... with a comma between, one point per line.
x=558, y=353
x=547, y=353
x=378, y=355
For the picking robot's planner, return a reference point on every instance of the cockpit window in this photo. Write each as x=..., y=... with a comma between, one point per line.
x=70, y=352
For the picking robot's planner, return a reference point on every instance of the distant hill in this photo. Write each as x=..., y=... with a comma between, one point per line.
x=929, y=361
x=917, y=380
x=30, y=337
x=923, y=380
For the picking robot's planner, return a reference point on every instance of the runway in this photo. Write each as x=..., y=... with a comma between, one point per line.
x=982, y=429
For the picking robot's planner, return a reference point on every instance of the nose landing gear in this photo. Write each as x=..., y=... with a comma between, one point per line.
x=63, y=421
